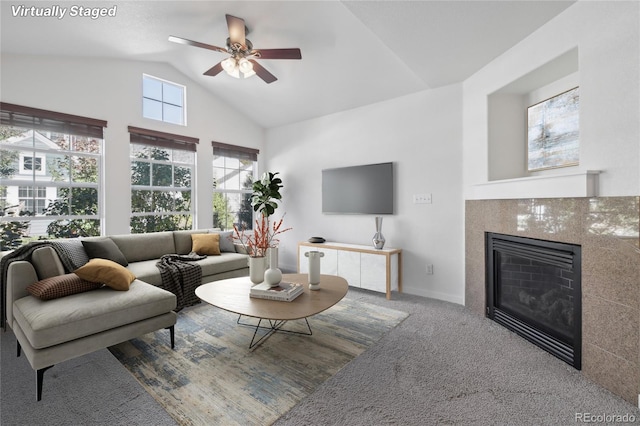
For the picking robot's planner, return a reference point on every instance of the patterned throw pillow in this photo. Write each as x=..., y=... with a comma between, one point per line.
x=61, y=286
x=108, y=272
x=72, y=253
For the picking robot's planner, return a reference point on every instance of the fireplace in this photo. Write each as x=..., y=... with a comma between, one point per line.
x=533, y=288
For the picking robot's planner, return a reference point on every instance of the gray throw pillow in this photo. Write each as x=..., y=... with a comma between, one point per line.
x=104, y=249
x=226, y=241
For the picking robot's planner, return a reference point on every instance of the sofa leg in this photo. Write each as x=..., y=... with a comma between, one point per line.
x=18, y=349
x=172, y=334
x=39, y=380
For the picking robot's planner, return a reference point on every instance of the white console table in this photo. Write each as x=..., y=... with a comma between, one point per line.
x=362, y=266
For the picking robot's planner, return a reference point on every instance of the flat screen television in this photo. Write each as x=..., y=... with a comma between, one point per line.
x=366, y=189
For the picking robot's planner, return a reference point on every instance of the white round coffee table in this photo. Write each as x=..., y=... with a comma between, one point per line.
x=233, y=295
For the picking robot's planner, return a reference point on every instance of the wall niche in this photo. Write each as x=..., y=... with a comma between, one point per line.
x=507, y=116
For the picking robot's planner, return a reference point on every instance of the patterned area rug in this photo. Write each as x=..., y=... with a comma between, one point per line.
x=213, y=378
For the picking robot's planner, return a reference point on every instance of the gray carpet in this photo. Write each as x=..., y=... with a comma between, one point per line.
x=91, y=390
x=440, y=366
x=444, y=365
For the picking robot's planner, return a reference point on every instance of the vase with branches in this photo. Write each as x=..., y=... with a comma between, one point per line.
x=263, y=236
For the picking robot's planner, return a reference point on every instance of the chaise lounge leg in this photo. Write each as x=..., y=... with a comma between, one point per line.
x=39, y=380
x=172, y=333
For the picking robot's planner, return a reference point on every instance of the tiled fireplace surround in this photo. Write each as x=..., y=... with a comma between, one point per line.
x=607, y=228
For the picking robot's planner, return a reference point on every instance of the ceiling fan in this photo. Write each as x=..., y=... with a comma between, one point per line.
x=243, y=55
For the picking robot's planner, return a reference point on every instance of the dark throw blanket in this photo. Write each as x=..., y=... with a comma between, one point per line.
x=181, y=277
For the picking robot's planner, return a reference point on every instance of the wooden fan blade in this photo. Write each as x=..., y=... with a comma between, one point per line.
x=262, y=72
x=215, y=70
x=293, y=53
x=236, y=30
x=181, y=40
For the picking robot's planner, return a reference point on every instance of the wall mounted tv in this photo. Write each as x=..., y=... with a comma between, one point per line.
x=366, y=189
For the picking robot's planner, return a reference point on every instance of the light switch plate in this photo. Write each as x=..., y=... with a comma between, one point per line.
x=421, y=198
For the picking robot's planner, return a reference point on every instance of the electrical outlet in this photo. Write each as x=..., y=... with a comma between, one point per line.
x=421, y=198
x=429, y=269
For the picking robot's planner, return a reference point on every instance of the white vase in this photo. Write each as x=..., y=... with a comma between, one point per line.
x=273, y=275
x=257, y=266
x=314, y=268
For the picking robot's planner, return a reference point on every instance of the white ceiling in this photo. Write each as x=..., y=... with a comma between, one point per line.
x=354, y=53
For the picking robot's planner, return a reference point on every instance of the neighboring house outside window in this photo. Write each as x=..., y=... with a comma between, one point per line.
x=49, y=175
x=33, y=199
x=162, y=171
x=163, y=100
x=30, y=163
x=234, y=170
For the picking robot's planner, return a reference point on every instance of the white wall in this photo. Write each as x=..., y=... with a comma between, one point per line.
x=421, y=134
x=608, y=41
x=111, y=90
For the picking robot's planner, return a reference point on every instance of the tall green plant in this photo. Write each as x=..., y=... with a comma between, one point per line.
x=266, y=193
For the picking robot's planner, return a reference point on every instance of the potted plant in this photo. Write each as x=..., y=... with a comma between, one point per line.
x=264, y=199
x=266, y=193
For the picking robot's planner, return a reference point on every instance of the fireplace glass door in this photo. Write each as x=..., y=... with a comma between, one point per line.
x=533, y=288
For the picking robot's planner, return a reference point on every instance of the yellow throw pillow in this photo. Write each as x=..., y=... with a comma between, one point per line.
x=205, y=244
x=108, y=272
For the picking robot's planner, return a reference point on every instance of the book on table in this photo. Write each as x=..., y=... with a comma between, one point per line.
x=285, y=291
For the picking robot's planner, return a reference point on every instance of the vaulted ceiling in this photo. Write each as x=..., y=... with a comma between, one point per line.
x=354, y=53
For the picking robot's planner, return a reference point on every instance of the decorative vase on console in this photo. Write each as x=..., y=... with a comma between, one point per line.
x=257, y=267
x=378, y=238
x=273, y=275
x=314, y=268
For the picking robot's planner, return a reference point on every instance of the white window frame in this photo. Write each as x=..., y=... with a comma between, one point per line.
x=24, y=170
x=162, y=101
x=171, y=148
x=226, y=191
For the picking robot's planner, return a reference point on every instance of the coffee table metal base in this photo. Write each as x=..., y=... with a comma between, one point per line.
x=274, y=326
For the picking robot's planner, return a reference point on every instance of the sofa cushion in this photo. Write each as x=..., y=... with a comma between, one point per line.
x=137, y=247
x=108, y=272
x=226, y=262
x=61, y=286
x=182, y=240
x=208, y=244
x=104, y=248
x=46, y=262
x=48, y=323
x=147, y=271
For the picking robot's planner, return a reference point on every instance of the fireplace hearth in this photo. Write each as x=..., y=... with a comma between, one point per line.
x=533, y=288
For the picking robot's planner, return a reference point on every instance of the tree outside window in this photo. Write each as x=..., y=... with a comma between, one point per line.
x=232, y=180
x=60, y=200
x=161, y=188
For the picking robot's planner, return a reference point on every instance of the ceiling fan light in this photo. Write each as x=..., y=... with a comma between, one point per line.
x=245, y=65
x=249, y=73
x=230, y=66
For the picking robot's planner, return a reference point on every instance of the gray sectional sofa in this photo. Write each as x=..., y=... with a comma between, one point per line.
x=52, y=331
x=143, y=251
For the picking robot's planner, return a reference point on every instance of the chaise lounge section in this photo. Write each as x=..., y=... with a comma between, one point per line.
x=53, y=330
